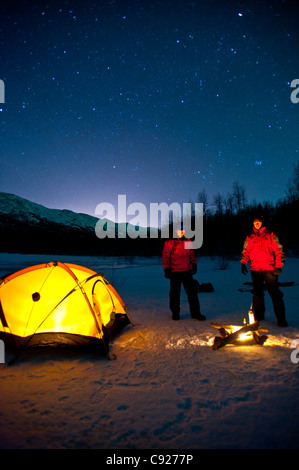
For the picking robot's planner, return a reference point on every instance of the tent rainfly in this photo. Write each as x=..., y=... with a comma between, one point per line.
x=59, y=304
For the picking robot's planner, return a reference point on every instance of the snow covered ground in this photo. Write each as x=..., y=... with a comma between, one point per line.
x=167, y=389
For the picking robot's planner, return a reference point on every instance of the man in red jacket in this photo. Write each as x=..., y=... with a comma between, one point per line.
x=179, y=264
x=266, y=256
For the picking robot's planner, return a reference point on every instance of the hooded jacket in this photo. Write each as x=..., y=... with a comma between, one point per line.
x=263, y=249
x=178, y=255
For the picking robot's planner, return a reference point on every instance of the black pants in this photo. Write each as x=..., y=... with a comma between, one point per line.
x=176, y=280
x=259, y=279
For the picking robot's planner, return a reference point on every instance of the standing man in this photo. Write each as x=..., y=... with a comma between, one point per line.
x=179, y=264
x=266, y=256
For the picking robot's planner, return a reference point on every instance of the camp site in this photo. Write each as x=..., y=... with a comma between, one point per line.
x=164, y=387
x=149, y=199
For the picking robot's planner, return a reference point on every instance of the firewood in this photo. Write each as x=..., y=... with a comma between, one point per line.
x=219, y=342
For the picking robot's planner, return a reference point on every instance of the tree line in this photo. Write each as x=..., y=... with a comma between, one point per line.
x=227, y=219
x=226, y=222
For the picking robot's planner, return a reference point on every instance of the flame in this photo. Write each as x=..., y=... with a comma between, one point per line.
x=248, y=337
x=251, y=320
x=245, y=336
x=251, y=317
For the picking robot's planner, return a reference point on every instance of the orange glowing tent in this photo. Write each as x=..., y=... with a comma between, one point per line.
x=59, y=304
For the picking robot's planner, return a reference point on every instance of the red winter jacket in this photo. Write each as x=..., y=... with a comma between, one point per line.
x=263, y=249
x=176, y=256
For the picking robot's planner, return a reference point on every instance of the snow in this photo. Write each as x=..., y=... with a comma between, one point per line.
x=33, y=213
x=30, y=211
x=167, y=388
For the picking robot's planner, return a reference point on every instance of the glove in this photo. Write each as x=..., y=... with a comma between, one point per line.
x=276, y=271
x=167, y=273
x=194, y=269
x=244, y=269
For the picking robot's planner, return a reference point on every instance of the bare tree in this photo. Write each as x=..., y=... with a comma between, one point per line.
x=293, y=185
x=219, y=203
x=203, y=198
x=229, y=203
x=239, y=197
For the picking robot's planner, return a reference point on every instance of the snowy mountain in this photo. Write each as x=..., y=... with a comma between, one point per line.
x=32, y=213
x=33, y=228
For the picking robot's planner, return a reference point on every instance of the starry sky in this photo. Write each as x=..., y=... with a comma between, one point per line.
x=157, y=100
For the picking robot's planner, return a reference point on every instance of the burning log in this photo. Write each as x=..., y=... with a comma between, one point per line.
x=231, y=334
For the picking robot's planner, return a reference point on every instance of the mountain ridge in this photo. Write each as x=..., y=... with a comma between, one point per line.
x=27, y=226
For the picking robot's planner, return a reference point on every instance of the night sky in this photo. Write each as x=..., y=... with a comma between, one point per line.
x=157, y=100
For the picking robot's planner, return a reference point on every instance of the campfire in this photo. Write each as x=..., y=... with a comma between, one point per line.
x=247, y=334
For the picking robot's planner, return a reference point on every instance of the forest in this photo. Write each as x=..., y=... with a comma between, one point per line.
x=228, y=219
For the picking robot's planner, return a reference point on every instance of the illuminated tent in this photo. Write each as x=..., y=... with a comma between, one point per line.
x=59, y=304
